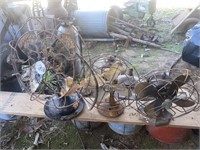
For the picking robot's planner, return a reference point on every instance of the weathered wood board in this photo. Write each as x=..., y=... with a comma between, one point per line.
x=20, y=104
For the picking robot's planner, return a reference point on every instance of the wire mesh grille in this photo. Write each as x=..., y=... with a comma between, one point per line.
x=116, y=78
x=162, y=95
x=47, y=60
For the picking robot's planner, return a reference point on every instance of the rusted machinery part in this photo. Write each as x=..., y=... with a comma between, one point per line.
x=59, y=11
x=151, y=22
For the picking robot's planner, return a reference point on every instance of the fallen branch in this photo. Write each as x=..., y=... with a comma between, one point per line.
x=140, y=41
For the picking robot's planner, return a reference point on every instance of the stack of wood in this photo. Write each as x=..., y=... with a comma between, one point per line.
x=130, y=32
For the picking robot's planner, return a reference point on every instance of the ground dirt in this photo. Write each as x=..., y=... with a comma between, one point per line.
x=22, y=133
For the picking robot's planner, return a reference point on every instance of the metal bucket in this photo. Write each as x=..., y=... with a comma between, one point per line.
x=196, y=131
x=13, y=86
x=86, y=125
x=124, y=129
x=94, y=24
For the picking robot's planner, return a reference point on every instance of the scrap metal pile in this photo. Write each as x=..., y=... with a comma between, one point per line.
x=47, y=60
x=130, y=32
x=48, y=64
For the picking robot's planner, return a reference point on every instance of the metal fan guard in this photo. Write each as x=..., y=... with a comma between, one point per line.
x=121, y=92
x=55, y=44
x=176, y=111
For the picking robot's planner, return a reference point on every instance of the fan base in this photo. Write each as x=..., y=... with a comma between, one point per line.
x=72, y=109
x=108, y=110
x=56, y=115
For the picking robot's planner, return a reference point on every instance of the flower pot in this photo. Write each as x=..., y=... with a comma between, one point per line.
x=169, y=135
x=57, y=109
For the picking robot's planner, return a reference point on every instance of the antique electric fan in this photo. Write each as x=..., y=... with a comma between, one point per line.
x=116, y=79
x=162, y=96
x=47, y=61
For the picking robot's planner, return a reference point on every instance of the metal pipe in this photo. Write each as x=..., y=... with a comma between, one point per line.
x=102, y=40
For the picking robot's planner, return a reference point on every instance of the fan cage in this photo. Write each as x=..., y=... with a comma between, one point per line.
x=55, y=44
x=123, y=90
x=188, y=89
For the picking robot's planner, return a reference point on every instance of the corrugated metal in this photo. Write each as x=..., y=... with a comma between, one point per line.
x=93, y=24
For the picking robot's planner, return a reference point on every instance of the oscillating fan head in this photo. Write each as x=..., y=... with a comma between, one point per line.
x=161, y=97
x=116, y=79
x=47, y=61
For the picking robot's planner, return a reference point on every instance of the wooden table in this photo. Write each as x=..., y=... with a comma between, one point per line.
x=20, y=104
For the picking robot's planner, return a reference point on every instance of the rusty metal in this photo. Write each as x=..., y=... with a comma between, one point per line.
x=131, y=32
x=58, y=12
x=166, y=94
x=115, y=88
x=45, y=57
x=37, y=8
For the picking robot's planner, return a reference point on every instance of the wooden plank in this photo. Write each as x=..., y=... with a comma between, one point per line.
x=180, y=17
x=178, y=25
x=20, y=104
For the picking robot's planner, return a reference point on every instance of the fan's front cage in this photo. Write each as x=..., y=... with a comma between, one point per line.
x=116, y=78
x=47, y=60
x=163, y=95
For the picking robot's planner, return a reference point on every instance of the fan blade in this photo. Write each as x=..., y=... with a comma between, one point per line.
x=173, y=89
x=144, y=89
x=176, y=83
x=181, y=80
x=152, y=109
x=183, y=102
x=114, y=71
x=90, y=81
x=149, y=109
x=117, y=87
x=121, y=91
